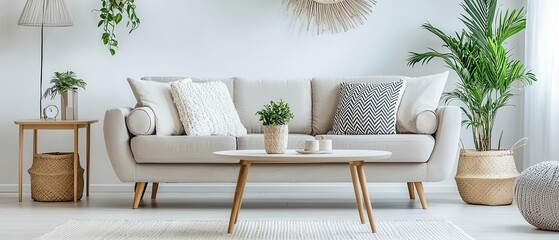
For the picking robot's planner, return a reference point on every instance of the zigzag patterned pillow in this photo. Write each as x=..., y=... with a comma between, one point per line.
x=367, y=108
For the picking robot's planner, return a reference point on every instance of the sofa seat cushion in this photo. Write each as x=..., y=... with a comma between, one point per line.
x=181, y=149
x=404, y=147
x=256, y=141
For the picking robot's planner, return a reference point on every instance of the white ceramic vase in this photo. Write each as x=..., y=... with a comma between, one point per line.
x=69, y=105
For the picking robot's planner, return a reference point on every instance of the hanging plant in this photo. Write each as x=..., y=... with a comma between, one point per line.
x=111, y=14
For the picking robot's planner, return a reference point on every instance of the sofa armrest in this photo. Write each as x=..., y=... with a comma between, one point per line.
x=117, y=143
x=447, y=139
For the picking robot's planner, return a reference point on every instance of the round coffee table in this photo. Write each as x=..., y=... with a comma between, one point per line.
x=355, y=159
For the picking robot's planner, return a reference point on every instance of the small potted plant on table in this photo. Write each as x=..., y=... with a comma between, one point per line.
x=66, y=84
x=274, y=118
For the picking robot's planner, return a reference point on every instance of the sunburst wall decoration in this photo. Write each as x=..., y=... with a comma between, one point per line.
x=332, y=15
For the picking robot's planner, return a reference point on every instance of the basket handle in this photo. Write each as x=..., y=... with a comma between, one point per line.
x=462, y=144
x=523, y=142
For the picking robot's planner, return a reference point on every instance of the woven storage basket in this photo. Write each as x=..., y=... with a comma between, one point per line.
x=486, y=177
x=52, y=177
x=275, y=139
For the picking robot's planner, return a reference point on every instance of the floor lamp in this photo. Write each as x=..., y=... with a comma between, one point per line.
x=44, y=13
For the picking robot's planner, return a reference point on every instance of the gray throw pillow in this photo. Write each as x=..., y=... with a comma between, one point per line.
x=368, y=108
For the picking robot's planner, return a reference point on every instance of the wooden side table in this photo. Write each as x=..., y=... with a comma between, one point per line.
x=40, y=124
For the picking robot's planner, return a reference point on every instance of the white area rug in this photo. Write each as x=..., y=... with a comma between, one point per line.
x=279, y=229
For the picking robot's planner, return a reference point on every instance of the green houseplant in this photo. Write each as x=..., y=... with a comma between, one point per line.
x=112, y=13
x=274, y=117
x=66, y=84
x=488, y=77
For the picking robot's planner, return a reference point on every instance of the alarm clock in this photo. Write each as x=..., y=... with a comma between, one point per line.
x=50, y=112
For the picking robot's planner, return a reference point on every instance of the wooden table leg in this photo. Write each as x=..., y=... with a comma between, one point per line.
x=76, y=163
x=35, y=135
x=366, y=198
x=239, y=189
x=20, y=164
x=87, y=157
x=357, y=190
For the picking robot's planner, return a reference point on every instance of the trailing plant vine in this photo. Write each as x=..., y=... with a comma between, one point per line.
x=111, y=14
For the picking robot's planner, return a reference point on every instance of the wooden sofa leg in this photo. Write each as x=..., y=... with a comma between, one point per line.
x=144, y=191
x=421, y=194
x=154, y=187
x=411, y=190
x=140, y=187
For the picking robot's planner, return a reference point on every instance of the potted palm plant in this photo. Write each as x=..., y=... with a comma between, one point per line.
x=66, y=84
x=488, y=77
x=275, y=117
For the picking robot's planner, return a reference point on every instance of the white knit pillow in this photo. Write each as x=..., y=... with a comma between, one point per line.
x=206, y=109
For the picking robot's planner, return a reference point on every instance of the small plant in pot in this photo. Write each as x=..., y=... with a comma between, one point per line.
x=487, y=80
x=66, y=84
x=275, y=117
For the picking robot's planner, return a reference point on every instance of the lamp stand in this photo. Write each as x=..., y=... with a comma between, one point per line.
x=44, y=13
x=41, y=76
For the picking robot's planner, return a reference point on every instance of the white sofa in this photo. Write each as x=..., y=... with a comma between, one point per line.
x=416, y=158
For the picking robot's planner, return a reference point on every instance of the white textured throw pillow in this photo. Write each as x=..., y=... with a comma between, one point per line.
x=419, y=103
x=157, y=96
x=206, y=109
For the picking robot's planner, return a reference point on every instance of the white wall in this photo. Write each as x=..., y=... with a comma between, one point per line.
x=204, y=38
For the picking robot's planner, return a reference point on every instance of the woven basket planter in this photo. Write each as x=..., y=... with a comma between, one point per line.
x=486, y=177
x=52, y=177
x=275, y=139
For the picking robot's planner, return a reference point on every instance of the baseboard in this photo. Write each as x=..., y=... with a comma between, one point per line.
x=260, y=188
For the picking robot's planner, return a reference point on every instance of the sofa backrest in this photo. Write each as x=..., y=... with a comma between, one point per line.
x=252, y=93
x=326, y=94
x=228, y=81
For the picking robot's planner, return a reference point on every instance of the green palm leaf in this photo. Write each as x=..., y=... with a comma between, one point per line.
x=487, y=74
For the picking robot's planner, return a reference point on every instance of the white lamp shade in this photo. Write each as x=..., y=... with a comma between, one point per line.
x=47, y=13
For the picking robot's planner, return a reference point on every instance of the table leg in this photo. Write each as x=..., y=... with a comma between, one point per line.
x=20, y=164
x=357, y=190
x=88, y=156
x=76, y=163
x=35, y=135
x=239, y=189
x=366, y=198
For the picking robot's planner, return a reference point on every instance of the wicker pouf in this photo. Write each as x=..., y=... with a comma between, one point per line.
x=52, y=177
x=537, y=192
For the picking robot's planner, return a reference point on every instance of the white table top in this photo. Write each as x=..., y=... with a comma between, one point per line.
x=291, y=156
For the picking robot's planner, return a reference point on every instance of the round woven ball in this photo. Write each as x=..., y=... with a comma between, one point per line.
x=537, y=195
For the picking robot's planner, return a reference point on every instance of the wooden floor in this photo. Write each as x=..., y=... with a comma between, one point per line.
x=31, y=219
